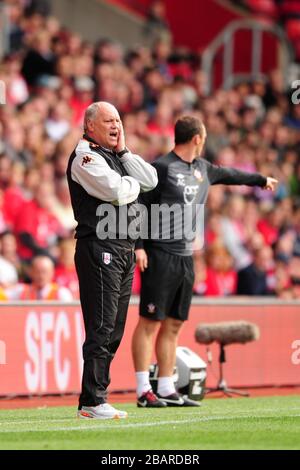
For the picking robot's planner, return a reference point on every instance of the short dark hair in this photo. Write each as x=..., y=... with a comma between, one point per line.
x=186, y=128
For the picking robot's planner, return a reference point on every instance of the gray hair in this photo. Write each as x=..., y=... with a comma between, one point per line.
x=90, y=114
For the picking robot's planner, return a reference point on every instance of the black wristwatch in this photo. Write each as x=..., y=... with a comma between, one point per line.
x=120, y=154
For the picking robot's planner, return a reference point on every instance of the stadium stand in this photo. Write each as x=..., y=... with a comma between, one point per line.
x=51, y=74
x=286, y=12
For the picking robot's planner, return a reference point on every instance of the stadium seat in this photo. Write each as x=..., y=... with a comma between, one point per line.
x=292, y=28
x=297, y=50
x=263, y=7
x=289, y=9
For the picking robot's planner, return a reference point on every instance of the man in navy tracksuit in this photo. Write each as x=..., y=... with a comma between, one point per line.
x=103, y=173
x=166, y=263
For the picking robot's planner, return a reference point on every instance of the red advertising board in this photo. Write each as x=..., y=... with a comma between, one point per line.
x=40, y=347
x=43, y=349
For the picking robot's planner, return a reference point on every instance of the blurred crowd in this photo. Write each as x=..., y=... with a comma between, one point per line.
x=252, y=237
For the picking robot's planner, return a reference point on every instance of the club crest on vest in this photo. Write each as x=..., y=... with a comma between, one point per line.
x=106, y=257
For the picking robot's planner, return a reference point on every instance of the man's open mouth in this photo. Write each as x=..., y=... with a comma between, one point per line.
x=113, y=134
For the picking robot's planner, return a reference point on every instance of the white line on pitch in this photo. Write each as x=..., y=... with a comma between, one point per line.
x=142, y=425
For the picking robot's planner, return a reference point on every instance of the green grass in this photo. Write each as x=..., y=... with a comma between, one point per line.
x=244, y=423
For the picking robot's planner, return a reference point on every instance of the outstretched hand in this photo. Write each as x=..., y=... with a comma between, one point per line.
x=271, y=183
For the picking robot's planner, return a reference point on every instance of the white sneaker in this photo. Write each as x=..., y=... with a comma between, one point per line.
x=103, y=411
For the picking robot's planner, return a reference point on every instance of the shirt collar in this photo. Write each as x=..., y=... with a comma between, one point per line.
x=90, y=139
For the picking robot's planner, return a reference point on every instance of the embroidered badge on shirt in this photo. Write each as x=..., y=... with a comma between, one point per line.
x=86, y=159
x=180, y=179
x=106, y=257
x=198, y=175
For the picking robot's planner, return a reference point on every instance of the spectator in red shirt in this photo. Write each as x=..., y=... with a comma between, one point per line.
x=65, y=272
x=221, y=279
x=84, y=91
x=37, y=228
x=12, y=197
x=162, y=123
x=269, y=226
x=3, y=222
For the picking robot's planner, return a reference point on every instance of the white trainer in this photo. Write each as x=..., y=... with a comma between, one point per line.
x=103, y=411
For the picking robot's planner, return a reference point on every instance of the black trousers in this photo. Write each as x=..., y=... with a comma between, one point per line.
x=174, y=275
x=105, y=273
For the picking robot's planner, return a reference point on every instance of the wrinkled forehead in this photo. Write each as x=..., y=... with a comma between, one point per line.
x=107, y=111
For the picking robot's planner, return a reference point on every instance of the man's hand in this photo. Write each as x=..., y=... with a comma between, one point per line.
x=141, y=259
x=271, y=183
x=121, y=139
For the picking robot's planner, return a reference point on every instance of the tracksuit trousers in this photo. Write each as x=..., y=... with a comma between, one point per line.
x=105, y=272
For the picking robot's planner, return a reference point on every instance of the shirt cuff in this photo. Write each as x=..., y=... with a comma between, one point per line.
x=126, y=157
